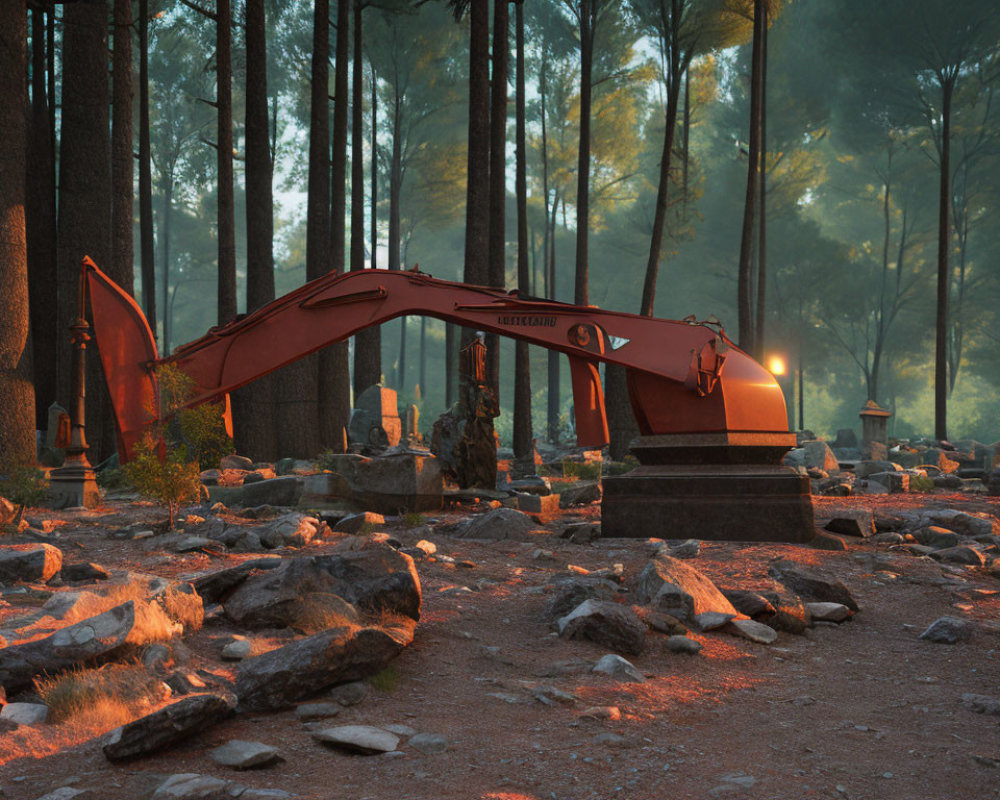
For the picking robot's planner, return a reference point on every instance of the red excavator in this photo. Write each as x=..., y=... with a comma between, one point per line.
x=701, y=403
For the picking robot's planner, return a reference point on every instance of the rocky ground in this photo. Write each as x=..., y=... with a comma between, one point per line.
x=490, y=701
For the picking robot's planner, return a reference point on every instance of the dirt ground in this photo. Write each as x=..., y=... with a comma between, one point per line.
x=865, y=709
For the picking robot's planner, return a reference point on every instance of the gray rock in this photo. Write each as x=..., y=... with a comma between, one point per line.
x=214, y=586
x=376, y=579
x=962, y=554
x=873, y=467
x=362, y=739
x=570, y=592
x=236, y=462
x=68, y=793
x=189, y=544
x=889, y=537
x=618, y=667
x=581, y=532
x=753, y=604
x=689, y=549
x=356, y=523
x=682, y=644
x=496, y=525
x=710, y=620
x=400, y=730
x=311, y=711
x=129, y=624
x=530, y=484
x=812, y=584
x=88, y=572
x=238, y=649
x=580, y=495
x=752, y=630
x=982, y=704
x=280, y=678
x=165, y=727
x=894, y=482
x=350, y=693
x=239, y=754
x=947, y=630
x=669, y=585
x=25, y=713
x=827, y=541
x=828, y=612
x=283, y=491
x=819, y=454
x=189, y=786
x=289, y=530
x=851, y=522
x=428, y=743
x=29, y=562
x=609, y=624
x=937, y=537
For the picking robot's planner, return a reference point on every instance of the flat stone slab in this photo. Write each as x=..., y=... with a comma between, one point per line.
x=754, y=631
x=828, y=612
x=165, y=727
x=240, y=754
x=29, y=562
x=25, y=713
x=362, y=739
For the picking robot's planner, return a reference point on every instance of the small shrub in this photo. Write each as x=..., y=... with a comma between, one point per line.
x=413, y=519
x=580, y=470
x=921, y=483
x=171, y=480
x=200, y=430
x=24, y=486
x=384, y=681
x=101, y=698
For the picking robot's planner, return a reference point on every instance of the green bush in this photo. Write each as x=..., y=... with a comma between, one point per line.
x=171, y=479
x=24, y=486
x=201, y=430
x=580, y=470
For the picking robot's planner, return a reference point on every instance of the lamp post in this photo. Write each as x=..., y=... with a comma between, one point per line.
x=74, y=484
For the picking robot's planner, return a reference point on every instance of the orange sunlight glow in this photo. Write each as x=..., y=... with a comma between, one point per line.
x=776, y=365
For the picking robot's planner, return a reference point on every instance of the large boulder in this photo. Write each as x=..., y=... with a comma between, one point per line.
x=165, y=727
x=29, y=562
x=500, y=523
x=610, y=625
x=214, y=586
x=386, y=483
x=282, y=677
x=674, y=587
x=812, y=584
x=283, y=491
x=135, y=622
x=375, y=579
x=818, y=454
x=294, y=529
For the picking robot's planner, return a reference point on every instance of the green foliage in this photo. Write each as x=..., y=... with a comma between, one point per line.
x=200, y=430
x=24, y=486
x=384, y=681
x=580, y=470
x=921, y=483
x=171, y=479
x=413, y=519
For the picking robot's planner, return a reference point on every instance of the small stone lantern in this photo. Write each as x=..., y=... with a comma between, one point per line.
x=874, y=431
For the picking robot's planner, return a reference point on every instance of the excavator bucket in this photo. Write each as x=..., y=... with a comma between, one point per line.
x=128, y=352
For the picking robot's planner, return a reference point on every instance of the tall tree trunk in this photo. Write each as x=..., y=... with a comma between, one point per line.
x=254, y=412
x=166, y=219
x=477, y=198
x=587, y=19
x=17, y=396
x=367, y=343
x=40, y=220
x=745, y=304
x=548, y=258
x=761, y=312
x=944, y=241
x=686, y=136
x=334, y=362
x=226, y=204
x=395, y=216
x=524, y=450
x=122, y=158
x=146, y=247
x=84, y=191
x=497, y=255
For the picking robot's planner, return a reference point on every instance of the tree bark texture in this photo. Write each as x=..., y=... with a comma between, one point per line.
x=17, y=397
x=587, y=19
x=146, y=246
x=548, y=264
x=944, y=240
x=334, y=363
x=84, y=195
x=367, y=343
x=40, y=220
x=524, y=450
x=254, y=411
x=745, y=303
x=226, y=204
x=120, y=268
x=760, y=315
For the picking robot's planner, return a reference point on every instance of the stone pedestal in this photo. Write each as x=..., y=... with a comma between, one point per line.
x=72, y=485
x=874, y=430
x=726, y=486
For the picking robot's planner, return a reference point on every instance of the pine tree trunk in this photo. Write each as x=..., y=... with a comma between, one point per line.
x=17, y=397
x=167, y=188
x=40, y=220
x=497, y=255
x=226, y=205
x=146, y=246
x=745, y=299
x=524, y=450
x=761, y=312
x=334, y=363
x=84, y=193
x=254, y=405
x=367, y=343
x=548, y=265
x=944, y=242
x=122, y=170
x=580, y=293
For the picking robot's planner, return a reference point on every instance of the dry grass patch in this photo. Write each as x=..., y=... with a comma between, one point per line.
x=321, y=611
x=101, y=699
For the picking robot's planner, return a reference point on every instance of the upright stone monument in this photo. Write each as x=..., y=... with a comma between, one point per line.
x=874, y=431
